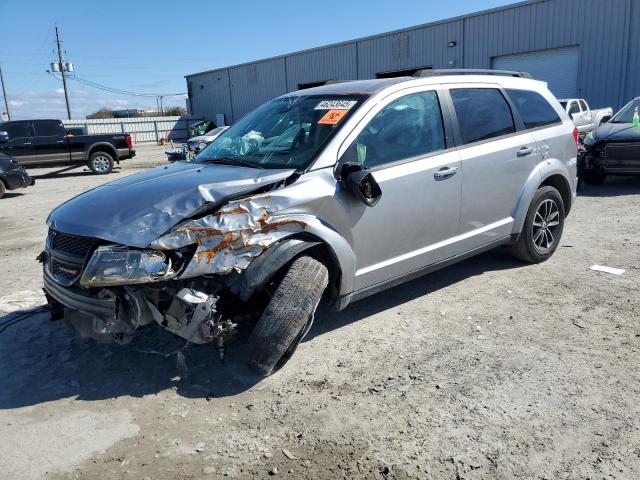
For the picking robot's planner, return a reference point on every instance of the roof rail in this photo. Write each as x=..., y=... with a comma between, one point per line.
x=427, y=72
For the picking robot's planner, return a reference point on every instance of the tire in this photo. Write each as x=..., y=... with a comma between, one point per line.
x=594, y=176
x=546, y=214
x=3, y=189
x=100, y=163
x=288, y=316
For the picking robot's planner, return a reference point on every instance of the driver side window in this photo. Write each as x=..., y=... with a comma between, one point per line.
x=408, y=127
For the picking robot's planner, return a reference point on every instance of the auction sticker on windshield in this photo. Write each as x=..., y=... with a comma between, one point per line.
x=336, y=105
x=332, y=117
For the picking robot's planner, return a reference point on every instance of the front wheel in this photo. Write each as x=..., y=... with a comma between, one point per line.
x=288, y=316
x=100, y=163
x=542, y=227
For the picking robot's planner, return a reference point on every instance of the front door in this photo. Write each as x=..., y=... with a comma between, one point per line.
x=404, y=145
x=19, y=144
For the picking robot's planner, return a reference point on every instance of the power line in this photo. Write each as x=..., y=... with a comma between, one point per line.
x=120, y=91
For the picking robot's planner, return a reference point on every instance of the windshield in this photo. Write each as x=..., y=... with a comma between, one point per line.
x=626, y=114
x=287, y=132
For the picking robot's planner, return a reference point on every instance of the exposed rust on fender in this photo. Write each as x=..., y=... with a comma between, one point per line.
x=230, y=238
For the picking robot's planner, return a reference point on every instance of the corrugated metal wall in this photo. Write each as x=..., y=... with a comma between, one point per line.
x=606, y=32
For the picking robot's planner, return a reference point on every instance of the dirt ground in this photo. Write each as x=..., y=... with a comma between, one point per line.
x=490, y=369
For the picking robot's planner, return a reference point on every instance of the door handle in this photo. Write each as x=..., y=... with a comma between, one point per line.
x=27, y=143
x=60, y=141
x=524, y=151
x=445, y=172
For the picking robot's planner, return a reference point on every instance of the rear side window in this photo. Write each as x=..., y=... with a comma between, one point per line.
x=14, y=130
x=583, y=105
x=48, y=129
x=534, y=109
x=482, y=113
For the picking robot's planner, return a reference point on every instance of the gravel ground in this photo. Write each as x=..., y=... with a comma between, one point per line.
x=489, y=369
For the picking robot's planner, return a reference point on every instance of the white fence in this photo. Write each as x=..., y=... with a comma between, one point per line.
x=143, y=129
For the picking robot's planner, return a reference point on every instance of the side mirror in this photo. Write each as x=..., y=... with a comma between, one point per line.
x=4, y=137
x=361, y=183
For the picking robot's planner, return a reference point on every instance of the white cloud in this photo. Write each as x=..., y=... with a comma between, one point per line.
x=51, y=103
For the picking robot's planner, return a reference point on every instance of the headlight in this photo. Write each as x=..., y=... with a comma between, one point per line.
x=589, y=139
x=121, y=266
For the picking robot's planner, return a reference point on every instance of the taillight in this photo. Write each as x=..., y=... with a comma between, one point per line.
x=576, y=136
x=127, y=138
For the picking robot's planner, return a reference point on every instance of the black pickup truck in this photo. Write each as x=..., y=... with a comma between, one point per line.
x=45, y=143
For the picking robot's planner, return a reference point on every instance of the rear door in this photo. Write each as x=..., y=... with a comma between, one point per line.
x=19, y=144
x=403, y=141
x=50, y=144
x=544, y=123
x=498, y=156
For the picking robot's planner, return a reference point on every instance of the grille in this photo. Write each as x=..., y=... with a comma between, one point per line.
x=71, y=244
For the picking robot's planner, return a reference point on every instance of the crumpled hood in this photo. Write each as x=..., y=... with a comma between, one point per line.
x=137, y=209
x=616, y=132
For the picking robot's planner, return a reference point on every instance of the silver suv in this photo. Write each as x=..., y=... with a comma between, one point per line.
x=338, y=191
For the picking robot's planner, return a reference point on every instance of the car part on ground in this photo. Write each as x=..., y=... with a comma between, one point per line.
x=345, y=189
x=12, y=175
x=613, y=148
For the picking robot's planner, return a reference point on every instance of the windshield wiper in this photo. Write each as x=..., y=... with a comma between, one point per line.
x=233, y=161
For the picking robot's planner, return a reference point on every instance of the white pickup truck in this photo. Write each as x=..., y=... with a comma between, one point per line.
x=583, y=117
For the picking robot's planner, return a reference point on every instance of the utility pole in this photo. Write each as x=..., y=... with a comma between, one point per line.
x=4, y=92
x=64, y=75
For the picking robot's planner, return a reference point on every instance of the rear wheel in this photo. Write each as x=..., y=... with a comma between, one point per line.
x=100, y=163
x=594, y=176
x=542, y=228
x=288, y=316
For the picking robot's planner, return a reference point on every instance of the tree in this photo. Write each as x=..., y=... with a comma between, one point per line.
x=175, y=111
x=102, y=113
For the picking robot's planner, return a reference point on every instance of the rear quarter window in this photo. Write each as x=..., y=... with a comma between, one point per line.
x=483, y=113
x=534, y=109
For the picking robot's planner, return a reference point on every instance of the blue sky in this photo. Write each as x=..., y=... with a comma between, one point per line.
x=148, y=46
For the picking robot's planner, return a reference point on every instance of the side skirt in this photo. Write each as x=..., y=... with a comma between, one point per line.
x=392, y=282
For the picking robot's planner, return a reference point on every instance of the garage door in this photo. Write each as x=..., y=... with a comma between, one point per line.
x=557, y=67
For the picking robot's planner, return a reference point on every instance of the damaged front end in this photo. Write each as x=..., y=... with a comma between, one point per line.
x=182, y=280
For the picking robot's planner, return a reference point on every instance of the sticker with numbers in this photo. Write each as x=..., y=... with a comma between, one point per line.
x=332, y=117
x=336, y=105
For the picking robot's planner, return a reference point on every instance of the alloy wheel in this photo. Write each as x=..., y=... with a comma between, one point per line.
x=545, y=226
x=101, y=164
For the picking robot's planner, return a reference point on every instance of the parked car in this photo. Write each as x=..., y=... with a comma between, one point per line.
x=12, y=175
x=342, y=190
x=583, y=117
x=196, y=144
x=193, y=146
x=46, y=143
x=613, y=148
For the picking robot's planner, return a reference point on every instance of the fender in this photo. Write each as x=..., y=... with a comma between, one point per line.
x=109, y=149
x=267, y=264
x=539, y=174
